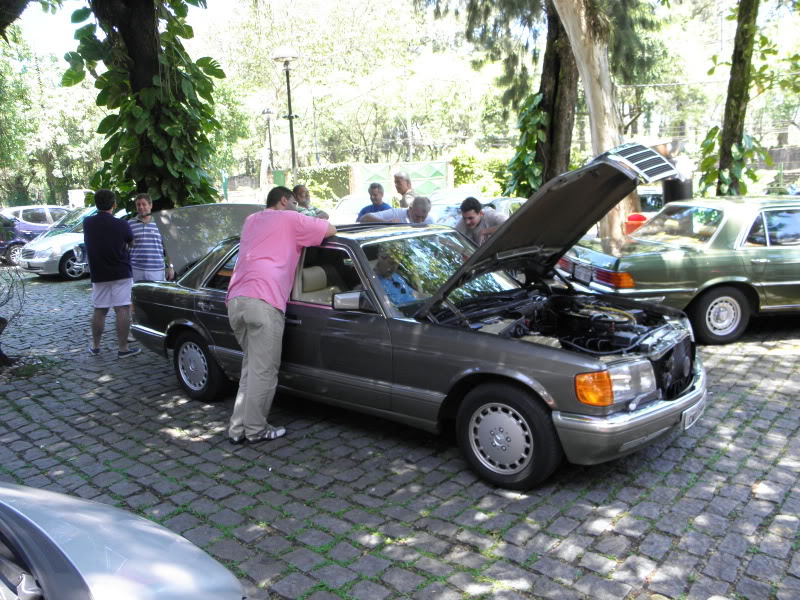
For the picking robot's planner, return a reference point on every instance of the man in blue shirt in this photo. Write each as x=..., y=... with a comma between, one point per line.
x=376, y=197
x=107, y=247
x=395, y=285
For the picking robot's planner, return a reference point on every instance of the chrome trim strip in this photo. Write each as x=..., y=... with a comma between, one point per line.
x=780, y=307
x=221, y=350
x=148, y=331
x=417, y=393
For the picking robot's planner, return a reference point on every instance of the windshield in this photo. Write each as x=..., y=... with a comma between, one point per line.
x=72, y=221
x=681, y=225
x=411, y=269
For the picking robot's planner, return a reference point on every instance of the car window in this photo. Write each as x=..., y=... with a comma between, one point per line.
x=222, y=278
x=57, y=213
x=651, y=202
x=35, y=215
x=783, y=227
x=682, y=225
x=756, y=236
x=325, y=272
x=410, y=270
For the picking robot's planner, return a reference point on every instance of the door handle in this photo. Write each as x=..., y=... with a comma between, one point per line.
x=759, y=261
x=203, y=305
x=291, y=321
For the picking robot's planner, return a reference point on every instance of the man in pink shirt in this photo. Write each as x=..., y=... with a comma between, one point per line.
x=269, y=252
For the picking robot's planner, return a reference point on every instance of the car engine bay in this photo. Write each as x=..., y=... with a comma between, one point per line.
x=585, y=324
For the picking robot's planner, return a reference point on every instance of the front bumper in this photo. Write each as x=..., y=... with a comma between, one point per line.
x=589, y=440
x=40, y=266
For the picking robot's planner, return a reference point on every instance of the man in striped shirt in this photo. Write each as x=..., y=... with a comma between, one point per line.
x=147, y=252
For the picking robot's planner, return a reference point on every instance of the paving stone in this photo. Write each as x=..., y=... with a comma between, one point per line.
x=597, y=563
x=634, y=570
x=602, y=589
x=303, y=559
x=367, y=590
x=369, y=565
x=402, y=580
x=293, y=586
x=765, y=568
x=334, y=575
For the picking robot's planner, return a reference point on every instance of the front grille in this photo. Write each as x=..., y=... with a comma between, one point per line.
x=674, y=369
x=27, y=254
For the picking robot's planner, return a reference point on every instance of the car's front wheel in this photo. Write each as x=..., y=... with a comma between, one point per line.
x=720, y=315
x=507, y=436
x=197, y=371
x=13, y=254
x=69, y=267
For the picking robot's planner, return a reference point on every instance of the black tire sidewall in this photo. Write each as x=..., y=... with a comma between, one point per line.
x=213, y=387
x=62, y=266
x=547, y=451
x=701, y=306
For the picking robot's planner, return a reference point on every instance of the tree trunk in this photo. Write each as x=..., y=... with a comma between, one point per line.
x=738, y=92
x=10, y=11
x=590, y=46
x=559, y=89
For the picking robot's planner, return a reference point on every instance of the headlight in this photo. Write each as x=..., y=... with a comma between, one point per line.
x=44, y=253
x=622, y=382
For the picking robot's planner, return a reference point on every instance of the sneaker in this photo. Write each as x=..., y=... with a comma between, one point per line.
x=130, y=352
x=267, y=434
x=94, y=351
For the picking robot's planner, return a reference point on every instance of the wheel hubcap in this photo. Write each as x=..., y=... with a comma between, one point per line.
x=13, y=254
x=72, y=268
x=723, y=315
x=192, y=366
x=500, y=438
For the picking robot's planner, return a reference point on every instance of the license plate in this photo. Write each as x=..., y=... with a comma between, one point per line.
x=582, y=273
x=691, y=415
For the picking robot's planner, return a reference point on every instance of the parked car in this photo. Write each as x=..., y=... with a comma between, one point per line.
x=721, y=260
x=21, y=224
x=57, y=546
x=52, y=253
x=526, y=373
x=346, y=211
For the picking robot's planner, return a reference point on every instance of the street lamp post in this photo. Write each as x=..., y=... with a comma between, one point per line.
x=269, y=112
x=286, y=55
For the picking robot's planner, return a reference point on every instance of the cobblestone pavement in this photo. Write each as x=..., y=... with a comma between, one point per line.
x=347, y=506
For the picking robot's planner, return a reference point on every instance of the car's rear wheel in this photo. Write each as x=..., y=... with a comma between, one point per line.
x=507, y=436
x=197, y=371
x=69, y=267
x=12, y=254
x=720, y=315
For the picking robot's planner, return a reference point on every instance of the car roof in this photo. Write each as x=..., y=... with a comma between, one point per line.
x=361, y=232
x=752, y=201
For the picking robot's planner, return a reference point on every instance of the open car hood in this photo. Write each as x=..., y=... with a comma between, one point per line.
x=190, y=232
x=558, y=215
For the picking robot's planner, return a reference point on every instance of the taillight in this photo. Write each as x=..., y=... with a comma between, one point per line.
x=565, y=264
x=617, y=279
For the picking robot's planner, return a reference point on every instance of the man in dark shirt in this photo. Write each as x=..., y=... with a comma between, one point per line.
x=107, y=248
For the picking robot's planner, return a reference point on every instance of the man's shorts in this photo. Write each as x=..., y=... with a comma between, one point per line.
x=108, y=294
x=149, y=274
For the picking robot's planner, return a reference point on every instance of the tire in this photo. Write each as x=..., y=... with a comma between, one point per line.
x=508, y=436
x=12, y=254
x=720, y=315
x=197, y=371
x=68, y=267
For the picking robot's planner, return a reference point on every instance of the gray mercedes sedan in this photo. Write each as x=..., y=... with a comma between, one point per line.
x=417, y=325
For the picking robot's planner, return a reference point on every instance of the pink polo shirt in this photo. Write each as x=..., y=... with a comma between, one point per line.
x=269, y=251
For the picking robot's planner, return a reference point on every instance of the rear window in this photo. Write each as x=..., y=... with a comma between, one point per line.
x=681, y=225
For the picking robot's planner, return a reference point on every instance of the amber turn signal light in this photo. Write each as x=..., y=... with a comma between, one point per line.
x=595, y=388
x=613, y=278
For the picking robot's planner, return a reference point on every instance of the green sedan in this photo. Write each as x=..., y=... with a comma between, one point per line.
x=721, y=260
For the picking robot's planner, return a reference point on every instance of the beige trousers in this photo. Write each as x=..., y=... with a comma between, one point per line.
x=258, y=327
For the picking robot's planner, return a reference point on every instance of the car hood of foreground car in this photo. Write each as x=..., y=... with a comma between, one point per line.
x=80, y=549
x=190, y=232
x=558, y=215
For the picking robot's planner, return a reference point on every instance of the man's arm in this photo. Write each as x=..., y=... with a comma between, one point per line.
x=384, y=216
x=331, y=230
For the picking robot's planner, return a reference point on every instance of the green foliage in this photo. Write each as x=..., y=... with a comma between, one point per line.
x=487, y=169
x=158, y=138
x=526, y=172
x=743, y=154
x=325, y=183
x=15, y=103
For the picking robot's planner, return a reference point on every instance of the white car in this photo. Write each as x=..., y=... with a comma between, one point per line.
x=52, y=253
x=348, y=208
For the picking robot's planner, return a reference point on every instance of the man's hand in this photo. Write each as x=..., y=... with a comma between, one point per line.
x=170, y=274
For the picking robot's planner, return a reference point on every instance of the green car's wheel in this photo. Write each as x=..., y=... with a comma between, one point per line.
x=720, y=315
x=507, y=435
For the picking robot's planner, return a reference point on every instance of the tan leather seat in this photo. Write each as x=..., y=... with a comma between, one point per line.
x=315, y=286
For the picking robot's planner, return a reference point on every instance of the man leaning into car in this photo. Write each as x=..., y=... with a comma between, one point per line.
x=477, y=224
x=416, y=213
x=107, y=241
x=269, y=251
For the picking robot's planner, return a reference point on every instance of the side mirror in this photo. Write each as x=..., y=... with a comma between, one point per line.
x=358, y=300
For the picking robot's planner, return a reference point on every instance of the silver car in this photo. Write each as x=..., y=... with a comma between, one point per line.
x=55, y=546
